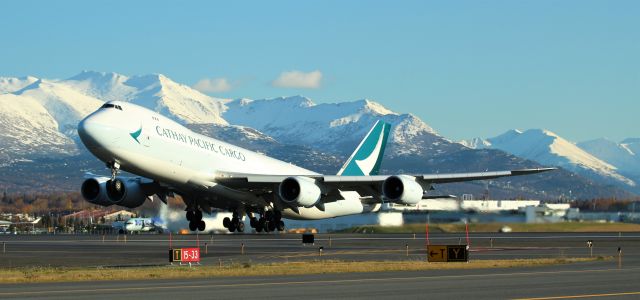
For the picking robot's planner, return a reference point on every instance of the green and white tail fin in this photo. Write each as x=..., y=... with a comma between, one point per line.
x=366, y=159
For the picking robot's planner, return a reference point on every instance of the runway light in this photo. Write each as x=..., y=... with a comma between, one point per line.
x=619, y=257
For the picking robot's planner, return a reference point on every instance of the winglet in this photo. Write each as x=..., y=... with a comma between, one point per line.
x=367, y=157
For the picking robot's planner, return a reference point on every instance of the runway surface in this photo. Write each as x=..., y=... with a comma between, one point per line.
x=593, y=279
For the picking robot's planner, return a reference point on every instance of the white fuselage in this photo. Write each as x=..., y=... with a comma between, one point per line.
x=148, y=144
x=139, y=224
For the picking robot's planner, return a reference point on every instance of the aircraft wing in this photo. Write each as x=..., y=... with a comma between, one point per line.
x=362, y=184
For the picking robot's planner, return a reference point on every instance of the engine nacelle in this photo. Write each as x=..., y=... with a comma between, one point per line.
x=402, y=189
x=300, y=191
x=125, y=192
x=94, y=190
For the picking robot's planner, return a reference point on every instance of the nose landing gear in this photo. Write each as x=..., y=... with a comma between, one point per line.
x=114, y=167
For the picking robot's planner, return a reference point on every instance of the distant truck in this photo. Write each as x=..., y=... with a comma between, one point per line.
x=137, y=225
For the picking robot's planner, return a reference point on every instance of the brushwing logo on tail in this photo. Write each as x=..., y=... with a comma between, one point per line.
x=366, y=165
x=367, y=157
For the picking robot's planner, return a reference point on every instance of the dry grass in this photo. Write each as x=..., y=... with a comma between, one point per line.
x=32, y=275
x=494, y=227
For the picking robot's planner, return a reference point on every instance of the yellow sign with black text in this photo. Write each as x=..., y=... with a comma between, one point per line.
x=437, y=253
x=450, y=253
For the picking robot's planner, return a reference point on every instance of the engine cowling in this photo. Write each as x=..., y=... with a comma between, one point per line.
x=125, y=192
x=402, y=189
x=299, y=191
x=94, y=190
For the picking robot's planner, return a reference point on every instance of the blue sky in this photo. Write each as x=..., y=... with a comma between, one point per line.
x=467, y=68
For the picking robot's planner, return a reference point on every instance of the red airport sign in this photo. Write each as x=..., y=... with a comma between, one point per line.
x=184, y=255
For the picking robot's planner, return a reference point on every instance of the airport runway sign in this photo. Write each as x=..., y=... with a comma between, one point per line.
x=184, y=255
x=437, y=253
x=447, y=253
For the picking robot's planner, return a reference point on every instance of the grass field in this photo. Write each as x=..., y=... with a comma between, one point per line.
x=33, y=275
x=495, y=227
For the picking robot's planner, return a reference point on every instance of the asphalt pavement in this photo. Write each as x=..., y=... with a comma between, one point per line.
x=601, y=279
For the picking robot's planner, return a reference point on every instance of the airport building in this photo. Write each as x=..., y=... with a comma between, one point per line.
x=448, y=211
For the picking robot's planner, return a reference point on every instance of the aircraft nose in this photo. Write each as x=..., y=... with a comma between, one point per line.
x=94, y=133
x=89, y=131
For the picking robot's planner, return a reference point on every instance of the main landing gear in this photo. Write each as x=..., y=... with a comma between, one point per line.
x=270, y=221
x=195, y=220
x=233, y=224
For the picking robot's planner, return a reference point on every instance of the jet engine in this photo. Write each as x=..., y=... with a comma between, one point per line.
x=299, y=191
x=402, y=189
x=94, y=191
x=125, y=192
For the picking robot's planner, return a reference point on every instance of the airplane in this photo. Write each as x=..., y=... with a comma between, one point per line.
x=211, y=174
x=4, y=225
x=137, y=225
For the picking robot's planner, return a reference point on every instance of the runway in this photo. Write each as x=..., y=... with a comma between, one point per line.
x=151, y=249
x=564, y=281
x=592, y=279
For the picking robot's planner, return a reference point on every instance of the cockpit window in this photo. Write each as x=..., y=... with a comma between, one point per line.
x=109, y=105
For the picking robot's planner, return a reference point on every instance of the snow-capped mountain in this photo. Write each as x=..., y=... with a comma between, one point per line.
x=624, y=156
x=12, y=84
x=155, y=91
x=547, y=148
x=476, y=143
x=633, y=145
x=41, y=118
x=328, y=126
x=38, y=119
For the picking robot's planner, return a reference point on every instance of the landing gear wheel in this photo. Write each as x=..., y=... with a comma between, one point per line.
x=258, y=227
x=201, y=225
x=198, y=215
x=268, y=215
x=272, y=226
x=264, y=225
x=253, y=222
x=280, y=226
x=190, y=215
x=240, y=227
x=277, y=215
x=193, y=226
x=232, y=227
x=226, y=222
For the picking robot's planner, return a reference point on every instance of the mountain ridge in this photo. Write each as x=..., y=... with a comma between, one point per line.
x=295, y=129
x=547, y=147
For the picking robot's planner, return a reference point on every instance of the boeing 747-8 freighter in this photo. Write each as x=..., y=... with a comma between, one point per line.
x=212, y=174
